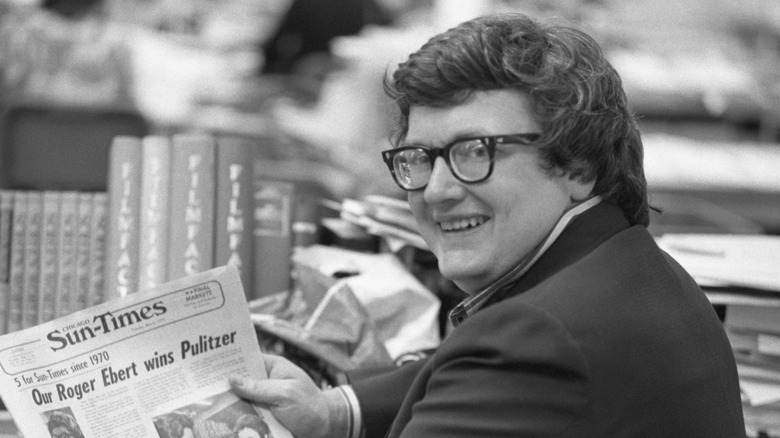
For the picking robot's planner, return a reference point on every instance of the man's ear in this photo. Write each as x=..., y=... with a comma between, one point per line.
x=580, y=184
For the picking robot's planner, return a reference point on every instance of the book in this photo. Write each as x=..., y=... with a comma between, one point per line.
x=80, y=299
x=66, y=254
x=233, y=207
x=124, y=177
x=273, y=202
x=97, y=248
x=308, y=209
x=32, y=259
x=50, y=219
x=16, y=267
x=191, y=205
x=6, y=223
x=153, y=227
x=764, y=319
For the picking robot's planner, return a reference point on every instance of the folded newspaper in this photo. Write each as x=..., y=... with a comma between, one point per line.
x=150, y=364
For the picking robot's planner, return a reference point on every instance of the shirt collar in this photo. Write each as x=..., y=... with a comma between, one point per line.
x=473, y=303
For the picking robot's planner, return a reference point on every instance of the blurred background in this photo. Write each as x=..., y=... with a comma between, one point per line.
x=303, y=79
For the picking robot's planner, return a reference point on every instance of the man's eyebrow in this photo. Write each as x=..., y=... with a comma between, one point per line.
x=456, y=137
x=410, y=143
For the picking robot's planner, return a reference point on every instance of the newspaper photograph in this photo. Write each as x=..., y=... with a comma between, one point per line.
x=150, y=364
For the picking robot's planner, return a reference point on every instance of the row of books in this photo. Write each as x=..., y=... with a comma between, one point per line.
x=188, y=202
x=175, y=205
x=52, y=247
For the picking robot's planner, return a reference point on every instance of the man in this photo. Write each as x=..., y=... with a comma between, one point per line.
x=523, y=166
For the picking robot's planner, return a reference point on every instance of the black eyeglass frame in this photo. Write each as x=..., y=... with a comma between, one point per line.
x=490, y=142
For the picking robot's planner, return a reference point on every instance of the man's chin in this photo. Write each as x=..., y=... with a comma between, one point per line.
x=462, y=275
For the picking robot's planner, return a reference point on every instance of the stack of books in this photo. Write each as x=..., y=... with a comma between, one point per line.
x=741, y=275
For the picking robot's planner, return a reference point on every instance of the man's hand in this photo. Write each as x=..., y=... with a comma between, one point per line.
x=294, y=400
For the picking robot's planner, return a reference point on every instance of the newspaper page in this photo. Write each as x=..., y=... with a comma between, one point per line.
x=150, y=364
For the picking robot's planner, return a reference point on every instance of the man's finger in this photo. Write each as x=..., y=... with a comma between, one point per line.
x=278, y=367
x=268, y=392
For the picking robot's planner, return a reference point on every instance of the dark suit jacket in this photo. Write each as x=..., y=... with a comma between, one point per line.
x=605, y=336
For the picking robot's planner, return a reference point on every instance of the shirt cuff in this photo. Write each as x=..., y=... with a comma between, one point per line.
x=355, y=429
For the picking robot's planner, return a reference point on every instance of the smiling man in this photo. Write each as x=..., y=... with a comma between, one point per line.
x=523, y=168
x=467, y=226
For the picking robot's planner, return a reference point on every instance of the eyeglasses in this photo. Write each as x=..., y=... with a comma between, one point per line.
x=469, y=159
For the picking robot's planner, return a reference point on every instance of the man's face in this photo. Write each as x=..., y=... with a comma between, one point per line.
x=480, y=231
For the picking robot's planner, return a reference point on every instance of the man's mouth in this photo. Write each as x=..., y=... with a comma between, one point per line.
x=462, y=224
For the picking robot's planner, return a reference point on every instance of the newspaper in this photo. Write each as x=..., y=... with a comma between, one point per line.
x=150, y=364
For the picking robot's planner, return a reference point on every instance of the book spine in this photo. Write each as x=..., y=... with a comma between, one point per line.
x=273, y=213
x=16, y=268
x=233, y=208
x=122, y=248
x=153, y=228
x=32, y=259
x=97, y=248
x=83, y=231
x=66, y=254
x=6, y=224
x=47, y=300
x=191, y=205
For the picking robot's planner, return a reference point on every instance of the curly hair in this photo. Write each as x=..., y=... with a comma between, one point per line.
x=577, y=97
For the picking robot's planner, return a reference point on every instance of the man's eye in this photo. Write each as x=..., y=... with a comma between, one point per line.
x=471, y=150
x=417, y=158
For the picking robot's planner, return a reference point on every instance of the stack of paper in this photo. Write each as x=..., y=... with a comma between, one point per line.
x=385, y=217
x=742, y=273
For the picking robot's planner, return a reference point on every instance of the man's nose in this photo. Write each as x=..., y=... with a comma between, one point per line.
x=442, y=185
